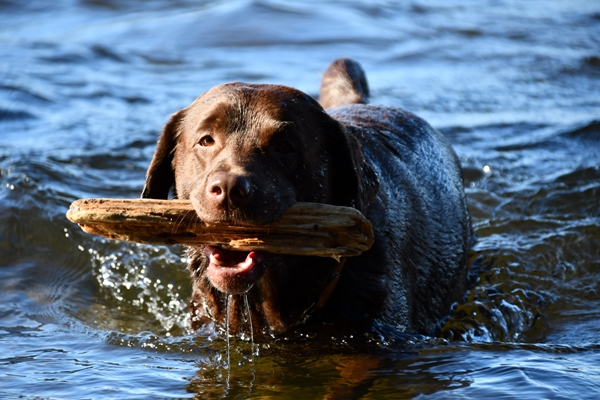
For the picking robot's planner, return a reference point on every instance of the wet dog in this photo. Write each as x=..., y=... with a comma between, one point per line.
x=244, y=153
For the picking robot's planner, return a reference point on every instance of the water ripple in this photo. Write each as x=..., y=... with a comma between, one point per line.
x=86, y=86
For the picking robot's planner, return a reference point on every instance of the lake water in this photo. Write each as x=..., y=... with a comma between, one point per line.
x=85, y=87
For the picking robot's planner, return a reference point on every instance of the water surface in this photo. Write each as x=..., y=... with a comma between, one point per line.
x=85, y=87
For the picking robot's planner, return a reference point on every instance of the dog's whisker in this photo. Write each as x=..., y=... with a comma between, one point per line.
x=178, y=222
x=185, y=217
x=196, y=220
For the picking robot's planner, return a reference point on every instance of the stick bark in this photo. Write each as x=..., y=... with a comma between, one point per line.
x=304, y=229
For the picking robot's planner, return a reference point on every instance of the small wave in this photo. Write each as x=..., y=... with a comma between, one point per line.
x=500, y=312
x=12, y=115
x=532, y=137
x=13, y=88
x=37, y=257
x=587, y=131
x=580, y=176
x=109, y=285
x=20, y=98
x=589, y=65
x=271, y=24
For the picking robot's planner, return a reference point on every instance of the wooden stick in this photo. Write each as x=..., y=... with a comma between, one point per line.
x=304, y=229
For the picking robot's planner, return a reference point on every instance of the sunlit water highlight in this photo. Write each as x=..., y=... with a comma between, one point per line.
x=85, y=88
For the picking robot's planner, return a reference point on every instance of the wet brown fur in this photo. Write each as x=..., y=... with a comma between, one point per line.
x=386, y=162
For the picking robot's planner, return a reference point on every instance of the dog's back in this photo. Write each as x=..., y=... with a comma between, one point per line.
x=417, y=267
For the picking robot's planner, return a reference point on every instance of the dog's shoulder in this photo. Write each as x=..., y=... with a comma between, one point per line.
x=393, y=133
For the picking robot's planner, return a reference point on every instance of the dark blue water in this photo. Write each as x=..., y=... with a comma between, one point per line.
x=85, y=87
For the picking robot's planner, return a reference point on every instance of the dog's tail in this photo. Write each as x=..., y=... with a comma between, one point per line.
x=344, y=82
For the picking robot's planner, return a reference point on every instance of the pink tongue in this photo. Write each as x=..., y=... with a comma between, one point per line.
x=227, y=258
x=234, y=272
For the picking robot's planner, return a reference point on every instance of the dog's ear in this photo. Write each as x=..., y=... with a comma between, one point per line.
x=160, y=177
x=355, y=182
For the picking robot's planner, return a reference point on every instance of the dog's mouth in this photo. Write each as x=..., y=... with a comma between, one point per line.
x=234, y=272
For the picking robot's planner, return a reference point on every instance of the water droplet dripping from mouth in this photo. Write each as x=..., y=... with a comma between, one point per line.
x=227, y=337
x=251, y=327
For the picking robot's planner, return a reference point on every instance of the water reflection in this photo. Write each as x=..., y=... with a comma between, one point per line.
x=85, y=87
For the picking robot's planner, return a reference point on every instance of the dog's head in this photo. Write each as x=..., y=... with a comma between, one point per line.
x=243, y=153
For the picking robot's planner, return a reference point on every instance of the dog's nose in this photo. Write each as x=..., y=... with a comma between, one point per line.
x=229, y=189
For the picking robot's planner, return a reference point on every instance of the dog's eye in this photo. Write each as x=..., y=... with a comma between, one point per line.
x=284, y=147
x=206, y=141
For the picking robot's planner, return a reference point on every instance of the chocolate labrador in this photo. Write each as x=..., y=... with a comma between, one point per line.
x=244, y=153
